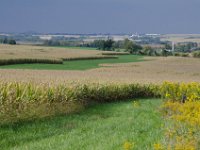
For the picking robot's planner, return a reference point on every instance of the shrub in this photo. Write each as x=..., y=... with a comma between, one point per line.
x=196, y=54
x=8, y=41
x=12, y=42
x=181, y=54
x=177, y=54
x=182, y=117
x=180, y=91
x=185, y=55
x=183, y=130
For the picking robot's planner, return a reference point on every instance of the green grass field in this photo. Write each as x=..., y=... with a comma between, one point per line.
x=76, y=64
x=100, y=127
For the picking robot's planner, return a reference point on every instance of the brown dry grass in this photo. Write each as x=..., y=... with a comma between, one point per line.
x=39, y=52
x=156, y=70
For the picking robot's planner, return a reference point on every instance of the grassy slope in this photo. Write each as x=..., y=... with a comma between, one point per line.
x=101, y=127
x=77, y=64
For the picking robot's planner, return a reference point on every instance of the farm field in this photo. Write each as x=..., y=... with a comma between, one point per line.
x=41, y=52
x=79, y=48
x=181, y=38
x=102, y=126
x=155, y=70
x=99, y=75
x=125, y=69
x=76, y=64
x=82, y=103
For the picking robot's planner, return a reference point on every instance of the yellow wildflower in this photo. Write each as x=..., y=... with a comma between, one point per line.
x=128, y=146
x=158, y=146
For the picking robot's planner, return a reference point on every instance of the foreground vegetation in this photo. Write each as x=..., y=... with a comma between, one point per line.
x=22, y=101
x=182, y=114
x=121, y=124
x=182, y=125
x=107, y=126
x=27, y=101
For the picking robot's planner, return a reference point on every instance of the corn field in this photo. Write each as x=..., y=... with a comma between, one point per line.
x=29, y=61
x=21, y=54
x=26, y=101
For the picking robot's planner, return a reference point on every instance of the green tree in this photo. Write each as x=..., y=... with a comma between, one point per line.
x=108, y=45
x=168, y=46
x=1, y=40
x=128, y=45
x=12, y=42
x=148, y=50
x=131, y=47
x=103, y=44
x=164, y=52
x=118, y=45
x=5, y=41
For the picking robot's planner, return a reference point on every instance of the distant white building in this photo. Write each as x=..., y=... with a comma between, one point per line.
x=152, y=34
x=135, y=35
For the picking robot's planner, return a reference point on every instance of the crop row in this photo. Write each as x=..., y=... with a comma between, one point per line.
x=29, y=61
x=24, y=101
x=49, y=61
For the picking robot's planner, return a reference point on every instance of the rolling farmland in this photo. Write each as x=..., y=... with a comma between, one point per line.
x=153, y=70
x=99, y=75
x=105, y=91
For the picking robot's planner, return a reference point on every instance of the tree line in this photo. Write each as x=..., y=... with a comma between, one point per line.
x=105, y=45
x=110, y=45
x=8, y=41
x=127, y=45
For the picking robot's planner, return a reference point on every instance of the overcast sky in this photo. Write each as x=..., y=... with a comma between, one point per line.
x=100, y=16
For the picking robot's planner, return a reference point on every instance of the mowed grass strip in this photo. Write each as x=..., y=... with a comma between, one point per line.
x=76, y=64
x=100, y=127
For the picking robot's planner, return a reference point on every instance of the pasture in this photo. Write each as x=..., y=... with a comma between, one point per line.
x=97, y=100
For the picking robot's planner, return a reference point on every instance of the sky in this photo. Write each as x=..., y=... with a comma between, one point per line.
x=100, y=16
